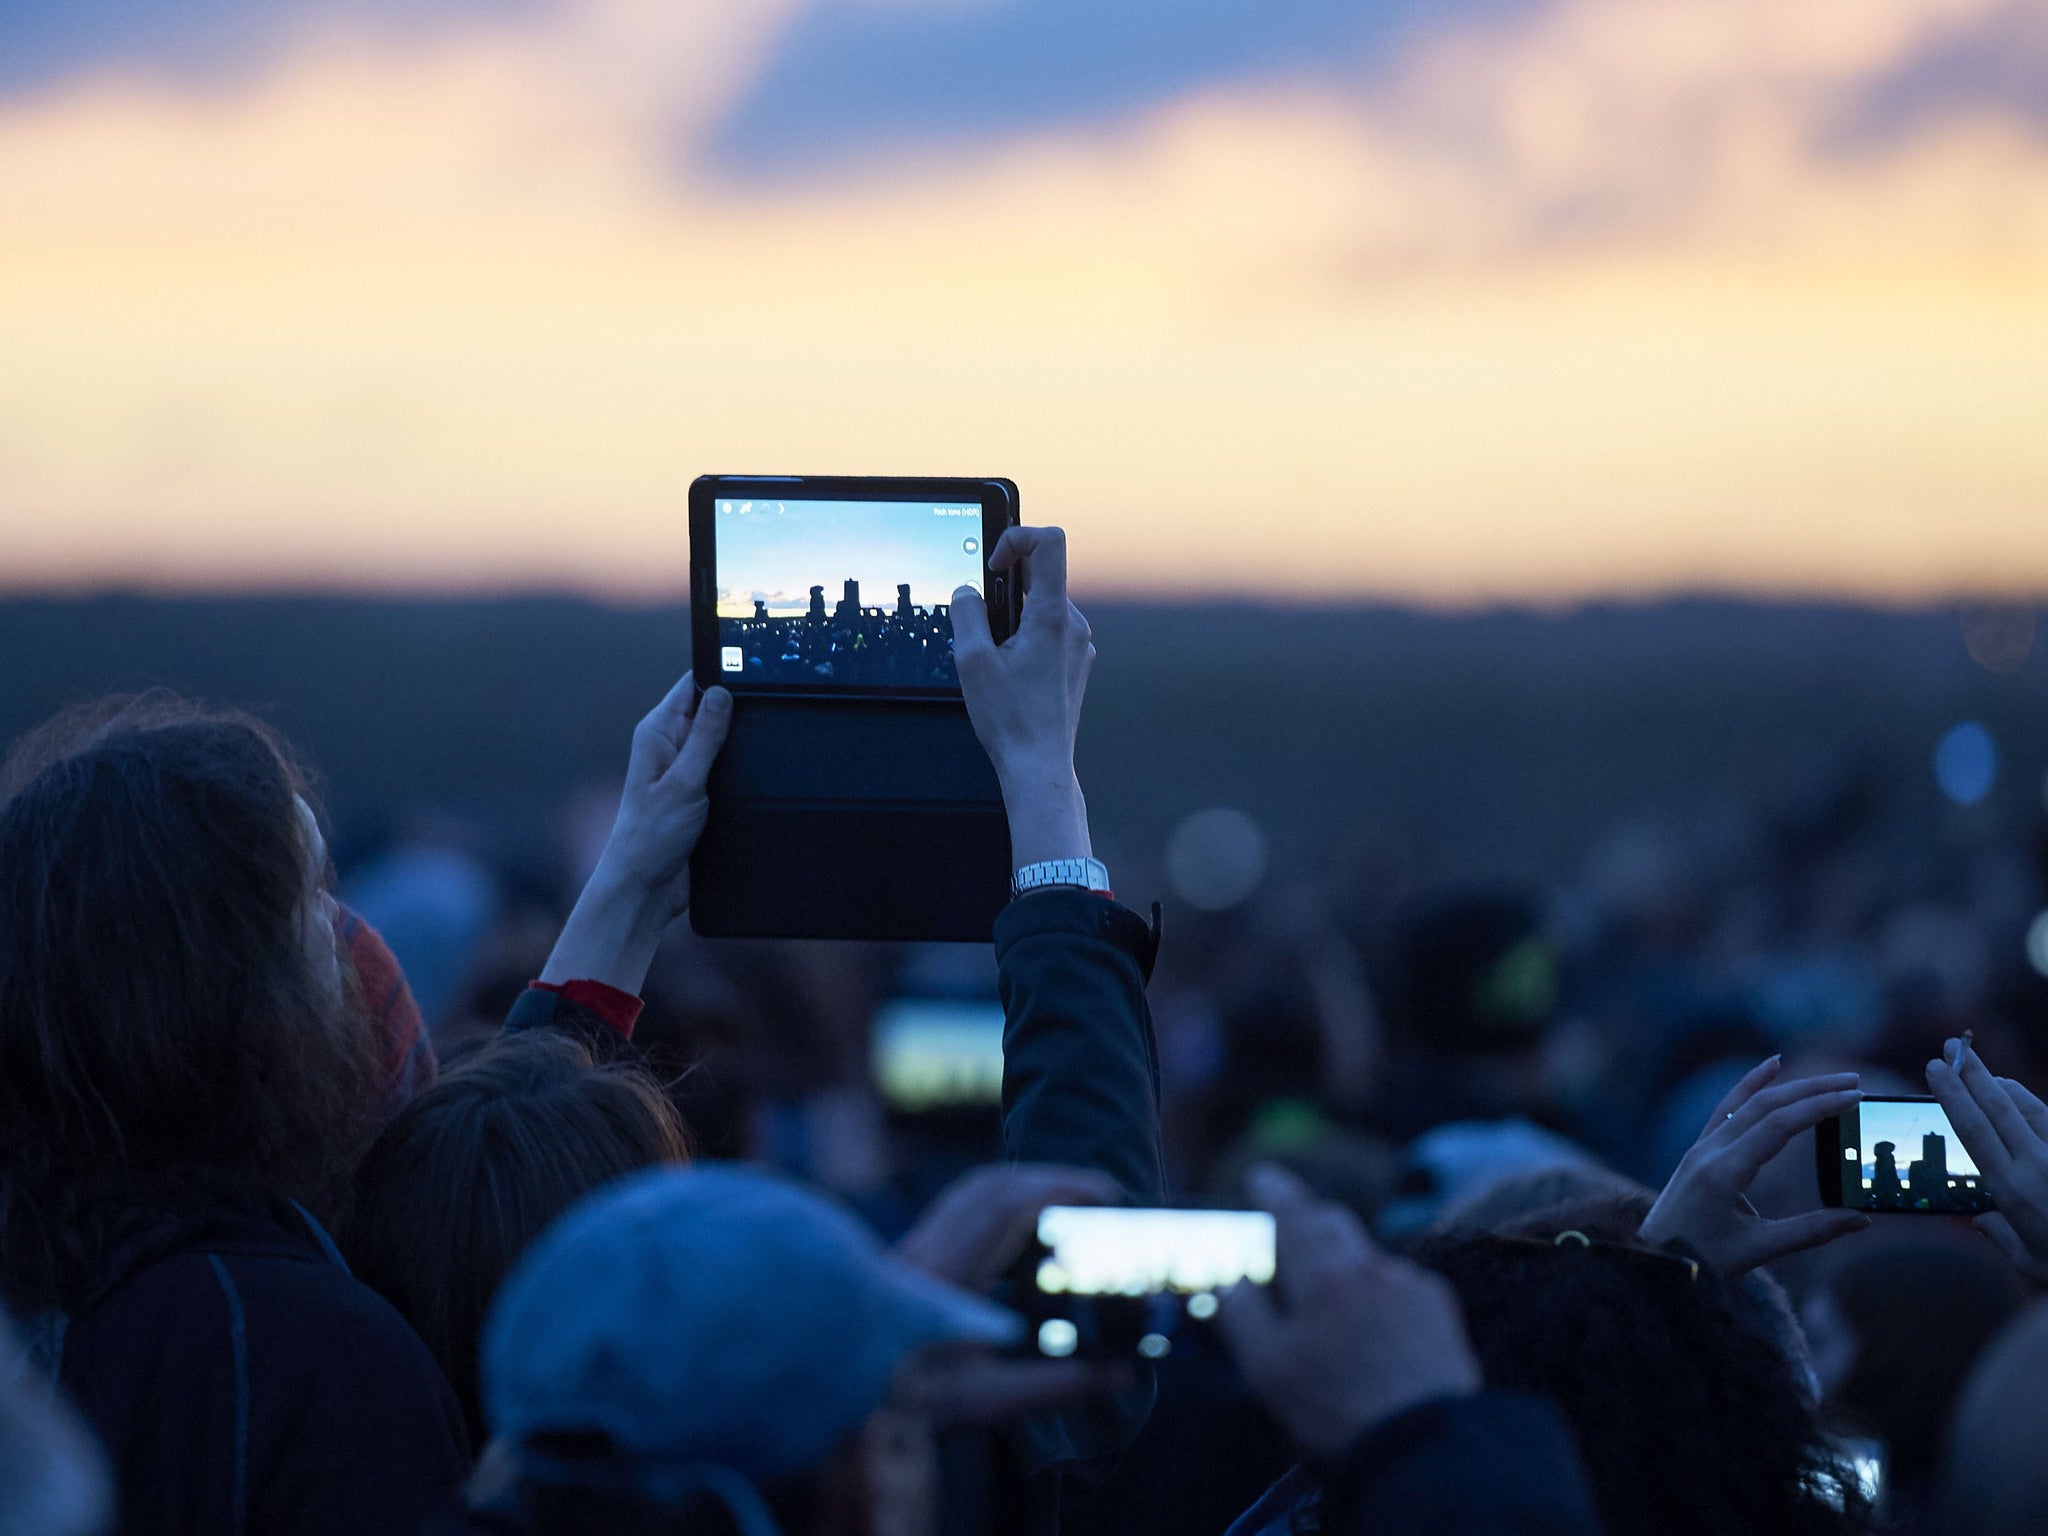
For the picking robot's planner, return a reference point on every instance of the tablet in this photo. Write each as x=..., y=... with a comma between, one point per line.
x=839, y=586
x=852, y=800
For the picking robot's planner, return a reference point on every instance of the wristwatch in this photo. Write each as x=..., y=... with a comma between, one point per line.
x=1078, y=874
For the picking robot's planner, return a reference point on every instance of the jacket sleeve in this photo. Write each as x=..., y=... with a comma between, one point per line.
x=1080, y=1086
x=1498, y=1464
x=541, y=1008
x=1080, y=1069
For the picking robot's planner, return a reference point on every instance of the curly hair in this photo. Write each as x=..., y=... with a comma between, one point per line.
x=161, y=1017
x=1691, y=1419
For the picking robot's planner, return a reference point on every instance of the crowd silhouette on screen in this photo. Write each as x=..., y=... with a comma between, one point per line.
x=611, y=1233
x=907, y=645
x=1927, y=1184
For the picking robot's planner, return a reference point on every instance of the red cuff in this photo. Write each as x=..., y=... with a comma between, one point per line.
x=620, y=1010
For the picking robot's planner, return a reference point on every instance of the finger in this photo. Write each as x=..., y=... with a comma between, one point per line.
x=1769, y=1100
x=1008, y=1204
x=1249, y=1322
x=1041, y=555
x=1736, y=1097
x=659, y=735
x=1997, y=1104
x=1309, y=1234
x=2033, y=1109
x=1795, y=1234
x=972, y=642
x=984, y=1219
x=1763, y=1141
x=708, y=731
x=1983, y=1144
x=2010, y=1243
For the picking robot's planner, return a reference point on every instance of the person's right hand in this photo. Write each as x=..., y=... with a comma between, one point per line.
x=642, y=880
x=1024, y=696
x=1354, y=1335
x=2005, y=1130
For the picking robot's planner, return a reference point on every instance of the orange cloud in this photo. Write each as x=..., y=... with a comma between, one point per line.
x=1570, y=305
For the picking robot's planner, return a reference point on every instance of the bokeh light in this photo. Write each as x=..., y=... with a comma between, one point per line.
x=2037, y=944
x=1058, y=1338
x=1966, y=763
x=1216, y=858
x=1999, y=637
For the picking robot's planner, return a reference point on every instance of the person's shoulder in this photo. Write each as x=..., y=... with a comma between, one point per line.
x=328, y=1354
x=296, y=1335
x=283, y=1296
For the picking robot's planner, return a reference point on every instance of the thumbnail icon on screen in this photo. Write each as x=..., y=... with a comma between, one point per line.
x=729, y=658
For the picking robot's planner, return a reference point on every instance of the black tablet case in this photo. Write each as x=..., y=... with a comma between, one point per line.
x=851, y=819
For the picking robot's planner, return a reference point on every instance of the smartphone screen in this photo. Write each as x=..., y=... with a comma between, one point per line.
x=854, y=594
x=1104, y=1251
x=930, y=1053
x=1901, y=1154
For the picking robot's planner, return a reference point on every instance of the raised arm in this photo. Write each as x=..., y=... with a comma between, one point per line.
x=593, y=977
x=1080, y=1070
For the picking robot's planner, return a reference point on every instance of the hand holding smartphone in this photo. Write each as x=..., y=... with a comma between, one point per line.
x=1107, y=1281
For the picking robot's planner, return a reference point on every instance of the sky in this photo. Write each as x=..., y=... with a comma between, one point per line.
x=1903, y=1125
x=776, y=551
x=1468, y=301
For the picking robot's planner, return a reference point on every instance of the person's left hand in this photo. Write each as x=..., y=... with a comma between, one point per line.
x=983, y=1220
x=1705, y=1203
x=975, y=1230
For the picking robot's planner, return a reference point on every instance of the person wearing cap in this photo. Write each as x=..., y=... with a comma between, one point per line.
x=718, y=1348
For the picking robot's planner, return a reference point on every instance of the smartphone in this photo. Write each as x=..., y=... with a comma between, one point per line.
x=931, y=1054
x=1897, y=1154
x=841, y=586
x=1107, y=1281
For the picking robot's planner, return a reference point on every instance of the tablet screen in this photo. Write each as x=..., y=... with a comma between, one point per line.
x=842, y=593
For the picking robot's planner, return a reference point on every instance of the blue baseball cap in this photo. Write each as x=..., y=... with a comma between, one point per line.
x=713, y=1316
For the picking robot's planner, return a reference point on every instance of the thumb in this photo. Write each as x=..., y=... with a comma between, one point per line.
x=708, y=728
x=1795, y=1233
x=972, y=643
x=2000, y=1231
x=1249, y=1323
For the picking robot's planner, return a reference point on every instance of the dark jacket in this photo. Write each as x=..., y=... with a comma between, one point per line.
x=243, y=1381
x=1080, y=1067
x=1080, y=1086
x=1498, y=1464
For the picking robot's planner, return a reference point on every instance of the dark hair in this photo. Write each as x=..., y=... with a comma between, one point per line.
x=1691, y=1419
x=160, y=1016
x=1921, y=1310
x=476, y=1167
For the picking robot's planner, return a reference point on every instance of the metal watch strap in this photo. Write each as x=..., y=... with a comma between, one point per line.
x=1082, y=874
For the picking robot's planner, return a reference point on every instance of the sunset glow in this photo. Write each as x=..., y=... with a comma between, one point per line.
x=1595, y=296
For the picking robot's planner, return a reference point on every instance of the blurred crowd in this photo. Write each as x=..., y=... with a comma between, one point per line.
x=597, y=1225
x=1401, y=1039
